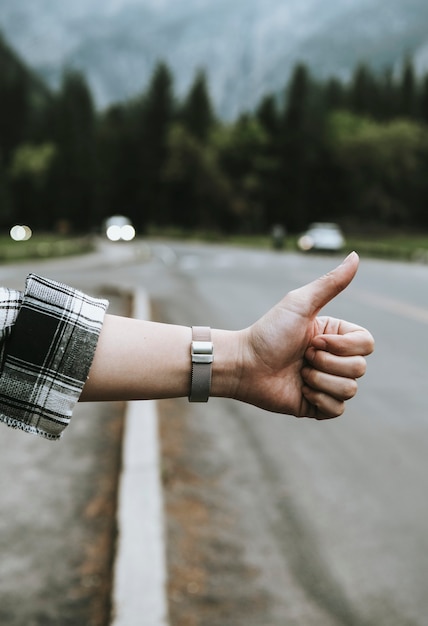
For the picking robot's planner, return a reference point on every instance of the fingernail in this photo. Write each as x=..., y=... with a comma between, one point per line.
x=349, y=257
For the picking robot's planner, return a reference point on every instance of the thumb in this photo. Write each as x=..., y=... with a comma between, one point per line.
x=321, y=291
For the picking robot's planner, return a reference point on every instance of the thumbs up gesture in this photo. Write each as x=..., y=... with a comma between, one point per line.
x=293, y=361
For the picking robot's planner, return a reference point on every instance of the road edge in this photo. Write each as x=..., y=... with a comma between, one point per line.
x=140, y=572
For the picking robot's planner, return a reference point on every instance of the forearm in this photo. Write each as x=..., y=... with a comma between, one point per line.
x=58, y=346
x=138, y=359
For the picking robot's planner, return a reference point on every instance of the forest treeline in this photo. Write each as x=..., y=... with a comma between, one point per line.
x=351, y=151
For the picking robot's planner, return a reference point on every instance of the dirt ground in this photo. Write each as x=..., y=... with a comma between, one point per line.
x=93, y=586
x=209, y=581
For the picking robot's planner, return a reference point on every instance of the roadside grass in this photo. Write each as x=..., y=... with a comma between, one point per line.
x=399, y=246
x=42, y=246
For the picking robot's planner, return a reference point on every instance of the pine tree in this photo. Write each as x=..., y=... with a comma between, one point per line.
x=75, y=139
x=197, y=113
x=14, y=102
x=158, y=113
x=119, y=179
x=424, y=99
x=362, y=96
x=268, y=115
x=295, y=149
x=408, y=90
x=389, y=106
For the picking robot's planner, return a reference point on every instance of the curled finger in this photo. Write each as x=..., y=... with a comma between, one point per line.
x=339, y=387
x=349, y=366
x=323, y=406
x=356, y=343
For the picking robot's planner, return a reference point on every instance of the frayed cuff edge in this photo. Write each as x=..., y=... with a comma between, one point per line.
x=14, y=423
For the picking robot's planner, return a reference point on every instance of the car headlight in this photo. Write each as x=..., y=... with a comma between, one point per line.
x=305, y=243
x=127, y=232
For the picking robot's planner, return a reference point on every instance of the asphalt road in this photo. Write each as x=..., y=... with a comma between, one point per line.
x=331, y=517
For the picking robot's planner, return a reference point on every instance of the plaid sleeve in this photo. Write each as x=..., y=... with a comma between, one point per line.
x=48, y=338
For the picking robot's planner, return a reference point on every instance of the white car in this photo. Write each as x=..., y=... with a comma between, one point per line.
x=322, y=236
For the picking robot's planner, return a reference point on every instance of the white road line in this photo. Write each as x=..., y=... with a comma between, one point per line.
x=140, y=573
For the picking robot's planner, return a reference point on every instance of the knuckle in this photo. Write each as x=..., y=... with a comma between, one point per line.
x=341, y=410
x=310, y=375
x=320, y=359
x=370, y=344
x=351, y=389
x=360, y=367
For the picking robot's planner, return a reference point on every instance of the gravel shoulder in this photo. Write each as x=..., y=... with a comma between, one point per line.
x=211, y=582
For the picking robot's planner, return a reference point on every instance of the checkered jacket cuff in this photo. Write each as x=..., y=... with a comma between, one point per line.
x=48, y=336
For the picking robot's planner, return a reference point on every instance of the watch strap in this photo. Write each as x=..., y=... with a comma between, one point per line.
x=202, y=359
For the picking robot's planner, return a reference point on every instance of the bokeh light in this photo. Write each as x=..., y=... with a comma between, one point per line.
x=20, y=232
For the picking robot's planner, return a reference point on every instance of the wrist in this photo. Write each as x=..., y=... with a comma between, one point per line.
x=226, y=367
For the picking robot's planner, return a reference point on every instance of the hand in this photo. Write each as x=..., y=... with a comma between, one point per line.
x=297, y=363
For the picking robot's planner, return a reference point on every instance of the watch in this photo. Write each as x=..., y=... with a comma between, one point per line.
x=202, y=354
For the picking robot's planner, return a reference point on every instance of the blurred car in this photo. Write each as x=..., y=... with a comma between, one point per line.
x=119, y=228
x=322, y=237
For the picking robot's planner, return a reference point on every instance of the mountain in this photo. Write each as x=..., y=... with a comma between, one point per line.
x=247, y=47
